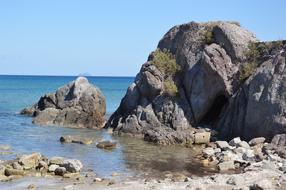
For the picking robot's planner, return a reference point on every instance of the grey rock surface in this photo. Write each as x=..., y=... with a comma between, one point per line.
x=207, y=79
x=258, y=109
x=77, y=104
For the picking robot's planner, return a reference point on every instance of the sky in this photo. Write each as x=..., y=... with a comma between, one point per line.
x=112, y=38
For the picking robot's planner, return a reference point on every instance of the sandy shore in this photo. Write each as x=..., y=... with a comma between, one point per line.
x=261, y=177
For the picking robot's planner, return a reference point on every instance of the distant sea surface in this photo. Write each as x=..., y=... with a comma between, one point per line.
x=132, y=156
x=17, y=92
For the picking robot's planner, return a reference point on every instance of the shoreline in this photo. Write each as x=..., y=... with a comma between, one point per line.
x=251, y=171
x=266, y=178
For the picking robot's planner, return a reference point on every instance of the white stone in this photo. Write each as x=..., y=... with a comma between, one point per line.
x=207, y=152
x=223, y=145
x=53, y=167
x=235, y=141
x=72, y=165
x=68, y=187
x=243, y=144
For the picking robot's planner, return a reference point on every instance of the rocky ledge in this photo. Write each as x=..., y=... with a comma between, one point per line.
x=213, y=75
x=37, y=165
x=77, y=104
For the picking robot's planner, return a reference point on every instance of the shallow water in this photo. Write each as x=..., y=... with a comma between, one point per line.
x=131, y=157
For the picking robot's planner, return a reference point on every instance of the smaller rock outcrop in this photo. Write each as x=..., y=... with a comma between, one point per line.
x=36, y=164
x=77, y=104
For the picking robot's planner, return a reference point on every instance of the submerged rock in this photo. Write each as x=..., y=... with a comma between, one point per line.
x=77, y=104
x=74, y=139
x=106, y=145
x=5, y=147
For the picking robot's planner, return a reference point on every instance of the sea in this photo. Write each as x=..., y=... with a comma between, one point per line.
x=132, y=157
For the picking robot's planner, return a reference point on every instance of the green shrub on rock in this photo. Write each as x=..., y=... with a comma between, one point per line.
x=167, y=65
x=170, y=88
x=208, y=37
x=257, y=51
x=165, y=62
x=247, y=70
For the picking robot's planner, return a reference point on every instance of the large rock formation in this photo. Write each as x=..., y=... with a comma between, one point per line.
x=259, y=106
x=209, y=56
x=77, y=104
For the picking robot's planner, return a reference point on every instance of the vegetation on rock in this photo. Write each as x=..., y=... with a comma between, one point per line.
x=167, y=65
x=257, y=53
x=247, y=70
x=165, y=62
x=208, y=37
x=170, y=88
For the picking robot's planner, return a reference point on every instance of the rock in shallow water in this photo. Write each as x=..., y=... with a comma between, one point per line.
x=106, y=145
x=72, y=165
x=56, y=160
x=53, y=167
x=77, y=104
x=74, y=139
x=30, y=161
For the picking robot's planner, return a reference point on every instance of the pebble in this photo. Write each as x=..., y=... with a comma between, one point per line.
x=106, y=145
x=53, y=167
x=69, y=187
x=223, y=145
x=256, y=141
x=244, y=144
x=235, y=141
x=97, y=179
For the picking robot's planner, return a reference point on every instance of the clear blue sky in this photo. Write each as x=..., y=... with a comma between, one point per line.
x=112, y=38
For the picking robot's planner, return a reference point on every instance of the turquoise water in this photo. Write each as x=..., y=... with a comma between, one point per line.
x=18, y=92
x=132, y=156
